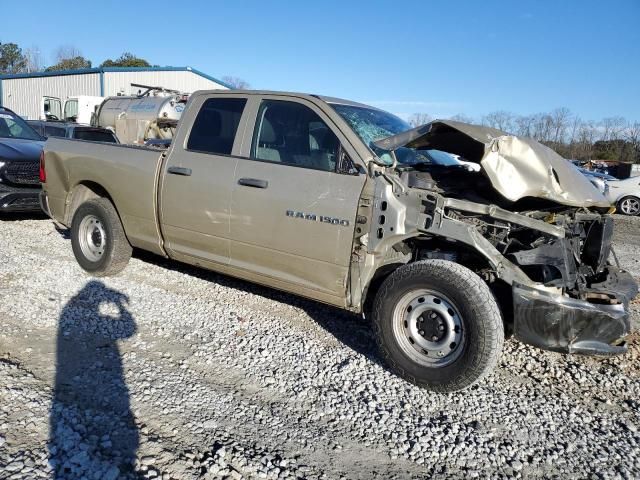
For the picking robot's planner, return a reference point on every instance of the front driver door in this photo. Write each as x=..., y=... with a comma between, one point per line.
x=293, y=217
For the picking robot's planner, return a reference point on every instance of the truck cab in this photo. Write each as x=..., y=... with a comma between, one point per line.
x=77, y=109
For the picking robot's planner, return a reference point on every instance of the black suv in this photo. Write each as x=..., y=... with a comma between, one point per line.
x=20, y=148
x=73, y=130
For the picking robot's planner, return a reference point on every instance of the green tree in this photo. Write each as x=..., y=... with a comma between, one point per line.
x=126, y=60
x=12, y=60
x=70, y=64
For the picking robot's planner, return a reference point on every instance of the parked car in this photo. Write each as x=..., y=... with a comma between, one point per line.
x=20, y=149
x=342, y=203
x=598, y=179
x=625, y=195
x=73, y=130
x=159, y=143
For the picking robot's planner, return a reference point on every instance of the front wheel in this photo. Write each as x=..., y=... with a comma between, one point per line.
x=98, y=239
x=629, y=205
x=438, y=325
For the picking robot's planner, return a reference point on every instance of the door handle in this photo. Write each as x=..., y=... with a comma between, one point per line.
x=186, y=172
x=253, y=182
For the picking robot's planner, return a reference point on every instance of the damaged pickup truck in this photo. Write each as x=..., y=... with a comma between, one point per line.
x=447, y=235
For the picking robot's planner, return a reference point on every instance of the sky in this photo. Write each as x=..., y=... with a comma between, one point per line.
x=434, y=57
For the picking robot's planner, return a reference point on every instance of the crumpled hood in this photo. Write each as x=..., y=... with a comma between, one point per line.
x=517, y=167
x=20, y=149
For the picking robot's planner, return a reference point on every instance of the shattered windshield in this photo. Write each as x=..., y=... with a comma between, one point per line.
x=371, y=125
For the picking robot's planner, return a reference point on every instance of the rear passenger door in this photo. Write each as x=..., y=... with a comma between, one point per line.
x=292, y=214
x=198, y=177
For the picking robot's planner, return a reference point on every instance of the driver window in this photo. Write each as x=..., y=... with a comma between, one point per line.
x=52, y=108
x=293, y=134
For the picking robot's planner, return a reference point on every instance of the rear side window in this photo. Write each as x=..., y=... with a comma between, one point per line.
x=293, y=134
x=214, y=129
x=55, y=132
x=94, y=135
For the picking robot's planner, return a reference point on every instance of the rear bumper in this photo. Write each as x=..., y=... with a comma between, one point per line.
x=568, y=325
x=19, y=200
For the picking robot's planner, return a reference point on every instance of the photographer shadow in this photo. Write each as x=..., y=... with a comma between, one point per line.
x=92, y=429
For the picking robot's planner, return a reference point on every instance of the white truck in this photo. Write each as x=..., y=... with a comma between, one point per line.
x=78, y=109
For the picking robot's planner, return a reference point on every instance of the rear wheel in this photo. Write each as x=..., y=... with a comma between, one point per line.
x=97, y=238
x=438, y=325
x=629, y=205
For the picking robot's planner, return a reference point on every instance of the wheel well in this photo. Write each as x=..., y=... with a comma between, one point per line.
x=81, y=193
x=466, y=257
x=374, y=285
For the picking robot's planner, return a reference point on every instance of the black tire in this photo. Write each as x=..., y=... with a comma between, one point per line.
x=629, y=205
x=472, y=311
x=107, y=251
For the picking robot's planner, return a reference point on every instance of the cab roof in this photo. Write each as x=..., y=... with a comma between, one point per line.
x=324, y=98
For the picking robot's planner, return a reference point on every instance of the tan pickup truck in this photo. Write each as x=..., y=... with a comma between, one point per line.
x=447, y=235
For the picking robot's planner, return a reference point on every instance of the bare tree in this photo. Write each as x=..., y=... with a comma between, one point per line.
x=560, y=118
x=66, y=52
x=586, y=137
x=34, y=59
x=417, y=119
x=632, y=134
x=500, y=119
x=236, y=82
x=574, y=129
x=542, y=127
x=523, y=125
x=459, y=117
x=612, y=128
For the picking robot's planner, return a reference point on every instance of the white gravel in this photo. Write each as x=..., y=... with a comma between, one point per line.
x=167, y=371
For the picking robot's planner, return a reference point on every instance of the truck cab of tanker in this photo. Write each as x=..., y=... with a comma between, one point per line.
x=77, y=109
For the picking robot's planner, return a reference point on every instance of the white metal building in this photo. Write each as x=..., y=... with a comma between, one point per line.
x=25, y=93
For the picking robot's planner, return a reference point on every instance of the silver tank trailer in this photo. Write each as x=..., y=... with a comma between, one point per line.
x=136, y=119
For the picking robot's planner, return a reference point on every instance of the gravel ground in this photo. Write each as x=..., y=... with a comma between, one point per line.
x=167, y=371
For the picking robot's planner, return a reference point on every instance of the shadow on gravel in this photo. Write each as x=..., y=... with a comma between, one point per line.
x=92, y=430
x=62, y=231
x=350, y=329
x=16, y=217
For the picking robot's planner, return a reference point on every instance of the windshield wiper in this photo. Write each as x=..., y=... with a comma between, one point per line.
x=421, y=165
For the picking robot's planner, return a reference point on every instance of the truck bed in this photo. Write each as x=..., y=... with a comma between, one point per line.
x=128, y=174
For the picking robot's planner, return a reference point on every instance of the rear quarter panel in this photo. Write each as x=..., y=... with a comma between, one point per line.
x=128, y=174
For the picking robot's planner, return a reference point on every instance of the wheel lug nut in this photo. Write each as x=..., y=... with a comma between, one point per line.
x=421, y=332
x=434, y=338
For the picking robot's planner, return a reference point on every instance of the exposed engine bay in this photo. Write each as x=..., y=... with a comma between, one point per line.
x=571, y=262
